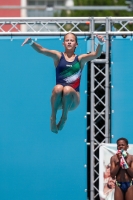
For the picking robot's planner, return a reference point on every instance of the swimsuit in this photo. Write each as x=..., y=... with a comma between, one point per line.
x=68, y=73
x=124, y=185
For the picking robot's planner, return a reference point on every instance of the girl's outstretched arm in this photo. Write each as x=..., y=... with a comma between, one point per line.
x=51, y=53
x=83, y=58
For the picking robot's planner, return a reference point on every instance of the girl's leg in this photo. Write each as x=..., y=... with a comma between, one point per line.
x=70, y=100
x=129, y=193
x=56, y=102
x=118, y=195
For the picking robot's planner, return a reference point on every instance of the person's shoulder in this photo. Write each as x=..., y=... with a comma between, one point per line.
x=131, y=156
x=77, y=57
x=57, y=53
x=114, y=157
x=80, y=56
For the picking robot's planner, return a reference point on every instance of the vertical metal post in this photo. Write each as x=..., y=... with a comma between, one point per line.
x=107, y=85
x=92, y=118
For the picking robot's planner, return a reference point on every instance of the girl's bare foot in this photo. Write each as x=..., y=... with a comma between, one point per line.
x=54, y=128
x=61, y=123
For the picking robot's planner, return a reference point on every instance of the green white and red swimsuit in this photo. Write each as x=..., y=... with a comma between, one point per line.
x=68, y=73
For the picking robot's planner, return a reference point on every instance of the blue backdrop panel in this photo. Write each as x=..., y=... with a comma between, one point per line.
x=121, y=92
x=34, y=162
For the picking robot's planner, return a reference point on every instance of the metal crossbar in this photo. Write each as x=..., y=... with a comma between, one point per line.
x=43, y=7
x=54, y=26
x=98, y=127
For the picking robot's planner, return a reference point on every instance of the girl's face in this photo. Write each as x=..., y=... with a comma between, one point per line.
x=122, y=145
x=70, y=42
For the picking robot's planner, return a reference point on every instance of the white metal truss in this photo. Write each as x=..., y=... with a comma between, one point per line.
x=78, y=25
x=99, y=125
x=55, y=8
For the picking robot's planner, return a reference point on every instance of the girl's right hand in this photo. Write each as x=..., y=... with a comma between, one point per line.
x=27, y=41
x=119, y=155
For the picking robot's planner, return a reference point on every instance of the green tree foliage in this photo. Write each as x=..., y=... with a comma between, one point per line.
x=98, y=13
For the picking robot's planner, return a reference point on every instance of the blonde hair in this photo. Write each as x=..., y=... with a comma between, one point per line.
x=73, y=35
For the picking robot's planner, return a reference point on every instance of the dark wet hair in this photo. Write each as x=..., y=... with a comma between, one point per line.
x=72, y=34
x=126, y=141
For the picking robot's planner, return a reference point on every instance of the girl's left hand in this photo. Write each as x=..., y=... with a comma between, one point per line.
x=100, y=38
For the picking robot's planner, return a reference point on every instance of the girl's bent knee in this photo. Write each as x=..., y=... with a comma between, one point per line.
x=67, y=91
x=58, y=89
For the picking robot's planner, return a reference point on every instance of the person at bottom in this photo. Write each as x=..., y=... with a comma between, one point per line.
x=122, y=170
x=65, y=94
